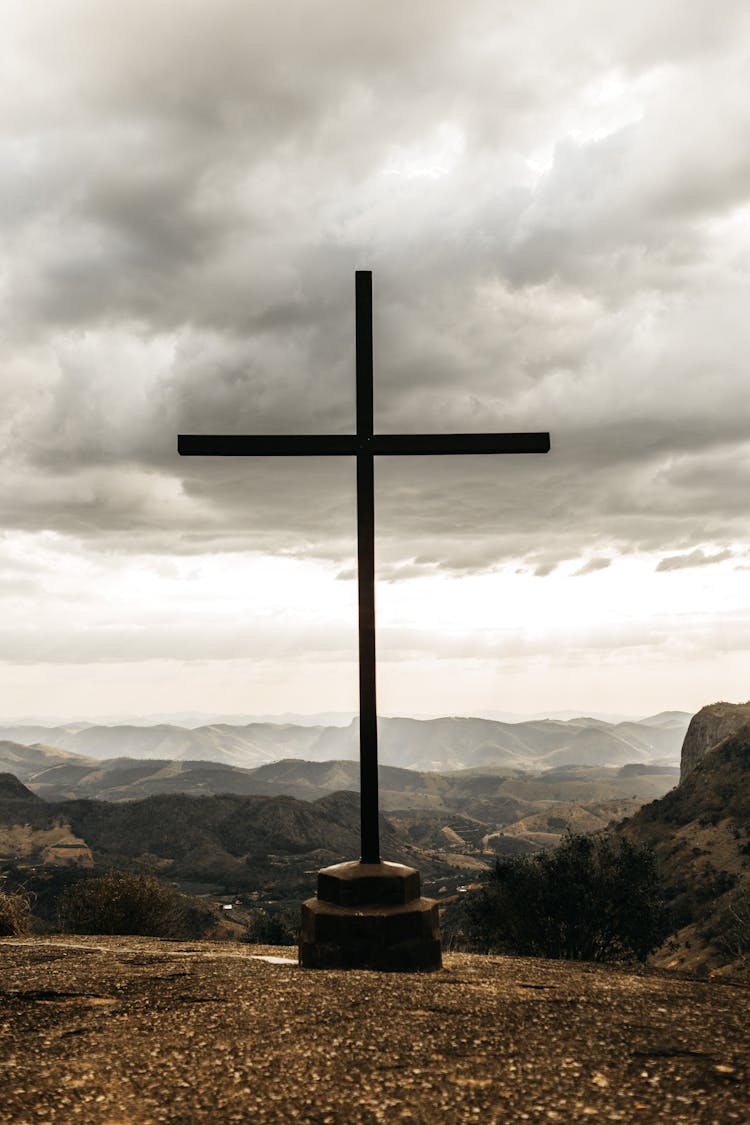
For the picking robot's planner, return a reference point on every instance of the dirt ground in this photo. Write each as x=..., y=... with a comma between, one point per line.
x=135, y=1030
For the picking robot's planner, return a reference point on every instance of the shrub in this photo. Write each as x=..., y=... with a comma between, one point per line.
x=273, y=928
x=123, y=903
x=733, y=926
x=15, y=911
x=592, y=899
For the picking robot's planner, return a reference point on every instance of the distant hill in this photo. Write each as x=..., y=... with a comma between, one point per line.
x=544, y=829
x=701, y=835
x=664, y=719
x=11, y=789
x=418, y=744
x=22, y=758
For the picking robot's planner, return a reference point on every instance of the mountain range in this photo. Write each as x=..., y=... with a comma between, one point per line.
x=419, y=744
x=270, y=845
x=176, y=788
x=60, y=775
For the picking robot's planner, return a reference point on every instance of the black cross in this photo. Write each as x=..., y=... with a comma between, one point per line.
x=364, y=445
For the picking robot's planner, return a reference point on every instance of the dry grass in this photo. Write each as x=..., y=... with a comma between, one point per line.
x=15, y=912
x=22, y=840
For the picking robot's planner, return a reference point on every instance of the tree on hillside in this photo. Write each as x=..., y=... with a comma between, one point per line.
x=591, y=899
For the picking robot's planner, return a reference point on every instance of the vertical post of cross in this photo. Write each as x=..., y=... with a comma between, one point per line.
x=368, y=723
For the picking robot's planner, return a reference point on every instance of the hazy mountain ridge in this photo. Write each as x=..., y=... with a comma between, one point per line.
x=419, y=744
x=489, y=791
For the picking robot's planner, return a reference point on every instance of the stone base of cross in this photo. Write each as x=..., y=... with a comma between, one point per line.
x=368, y=914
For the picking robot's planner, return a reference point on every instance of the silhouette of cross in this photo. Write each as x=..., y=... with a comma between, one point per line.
x=365, y=446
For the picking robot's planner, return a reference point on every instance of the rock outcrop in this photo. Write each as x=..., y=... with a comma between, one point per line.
x=710, y=726
x=700, y=834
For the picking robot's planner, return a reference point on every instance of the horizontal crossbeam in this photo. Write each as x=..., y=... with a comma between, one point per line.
x=265, y=445
x=425, y=444
x=331, y=445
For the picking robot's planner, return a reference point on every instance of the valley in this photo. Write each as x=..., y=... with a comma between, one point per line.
x=69, y=801
x=253, y=837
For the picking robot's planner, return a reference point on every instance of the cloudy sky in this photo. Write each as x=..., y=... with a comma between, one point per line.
x=553, y=198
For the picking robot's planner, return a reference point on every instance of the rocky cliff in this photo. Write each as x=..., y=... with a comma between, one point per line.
x=710, y=726
x=700, y=833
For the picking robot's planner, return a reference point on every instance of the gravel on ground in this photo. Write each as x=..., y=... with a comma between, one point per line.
x=116, y=1030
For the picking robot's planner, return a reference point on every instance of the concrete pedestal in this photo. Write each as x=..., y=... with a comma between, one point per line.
x=370, y=916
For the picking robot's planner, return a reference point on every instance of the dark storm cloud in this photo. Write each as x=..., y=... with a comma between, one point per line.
x=191, y=186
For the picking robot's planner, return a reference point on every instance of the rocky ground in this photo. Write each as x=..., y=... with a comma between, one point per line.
x=116, y=1030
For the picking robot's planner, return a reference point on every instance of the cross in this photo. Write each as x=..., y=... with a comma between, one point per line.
x=365, y=445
